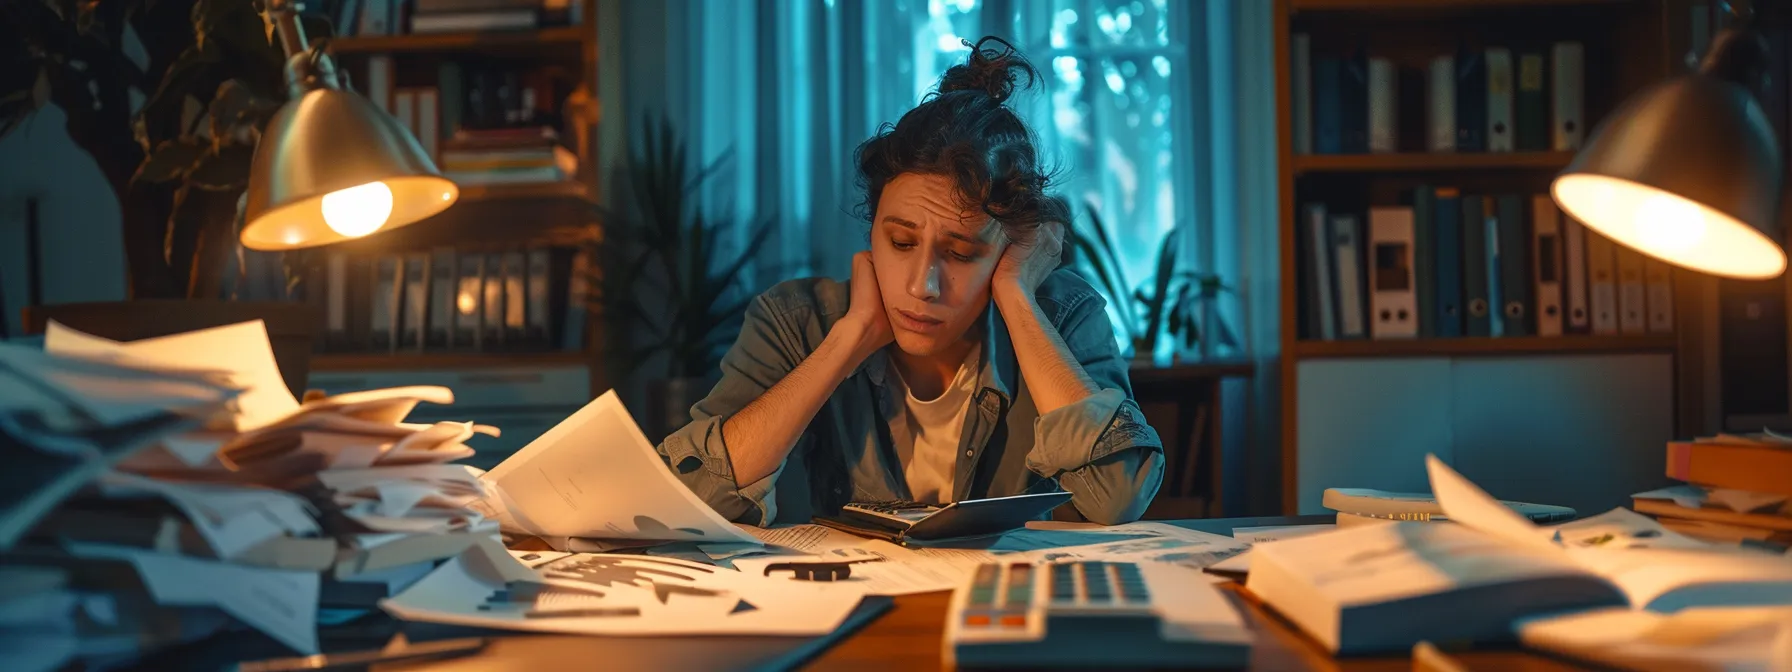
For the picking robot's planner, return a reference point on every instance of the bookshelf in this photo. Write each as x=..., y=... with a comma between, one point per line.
x=545, y=78
x=1627, y=45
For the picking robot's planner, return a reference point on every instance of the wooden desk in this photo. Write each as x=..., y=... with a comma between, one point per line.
x=910, y=635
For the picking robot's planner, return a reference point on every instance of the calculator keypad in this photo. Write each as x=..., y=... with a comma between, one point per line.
x=1008, y=597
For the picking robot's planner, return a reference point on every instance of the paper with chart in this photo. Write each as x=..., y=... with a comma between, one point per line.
x=595, y=475
x=1187, y=548
x=614, y=594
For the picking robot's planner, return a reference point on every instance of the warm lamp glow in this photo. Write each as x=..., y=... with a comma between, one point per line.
x=357, y=211
x=1669, y=227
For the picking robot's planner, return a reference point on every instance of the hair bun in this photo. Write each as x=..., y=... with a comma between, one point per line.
x=992, y=71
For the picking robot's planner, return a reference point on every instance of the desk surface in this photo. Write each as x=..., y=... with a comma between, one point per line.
x=908, y=637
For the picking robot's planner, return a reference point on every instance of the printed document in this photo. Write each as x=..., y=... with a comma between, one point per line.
x=595, y=475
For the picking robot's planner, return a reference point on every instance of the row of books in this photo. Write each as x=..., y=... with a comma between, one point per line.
x=1735, y=489
x=1496, y=99
x=446, y=300
x=399, y=17
x=1448, y=264
x=483, y=122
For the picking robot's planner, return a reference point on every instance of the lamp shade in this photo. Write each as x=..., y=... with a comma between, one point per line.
x=1688, y=172
x=332, y=167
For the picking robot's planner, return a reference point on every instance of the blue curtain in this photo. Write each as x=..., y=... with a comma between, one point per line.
x=1160, y=112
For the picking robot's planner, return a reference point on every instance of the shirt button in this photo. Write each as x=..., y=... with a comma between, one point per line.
x=967, y=453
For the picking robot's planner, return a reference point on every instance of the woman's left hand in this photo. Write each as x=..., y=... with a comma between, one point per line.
x=1023, y=267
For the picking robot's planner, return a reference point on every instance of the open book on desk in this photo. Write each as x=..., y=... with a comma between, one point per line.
x=1383, y=588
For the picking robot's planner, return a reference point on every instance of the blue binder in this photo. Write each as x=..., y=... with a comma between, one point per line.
x=1447, y=234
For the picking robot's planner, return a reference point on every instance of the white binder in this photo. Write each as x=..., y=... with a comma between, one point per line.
x=1393, y=304
x=1568, y=124
x=1499, y=100
x=1579, y=318
x=1633, y=303
x=1602, y=285
x=1320, y=240
x=1442, y=93
x=1384, y=126
x=1546, y=264
x=1658, y=284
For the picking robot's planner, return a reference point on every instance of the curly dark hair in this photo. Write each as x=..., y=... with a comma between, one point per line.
x=964, y=131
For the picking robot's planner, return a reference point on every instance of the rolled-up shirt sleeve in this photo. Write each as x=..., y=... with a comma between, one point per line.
x=1100, y=449
x=698, y=452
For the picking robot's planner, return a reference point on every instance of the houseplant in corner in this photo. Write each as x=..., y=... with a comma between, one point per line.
x=1173, y=302
x=210, y=75
x=669, y=289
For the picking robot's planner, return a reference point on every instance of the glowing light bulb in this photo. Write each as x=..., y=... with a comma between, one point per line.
x=1668, y=223
x=358, y=211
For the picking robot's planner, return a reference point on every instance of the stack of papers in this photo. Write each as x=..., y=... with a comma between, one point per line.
x=245, y=507
x=65, y=421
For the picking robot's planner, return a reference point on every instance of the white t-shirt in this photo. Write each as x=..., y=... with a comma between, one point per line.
x=927, y=435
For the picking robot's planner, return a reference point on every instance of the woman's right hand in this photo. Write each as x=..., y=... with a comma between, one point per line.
x=866, y=312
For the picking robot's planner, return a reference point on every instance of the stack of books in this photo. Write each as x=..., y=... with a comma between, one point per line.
x=523, y=155
x=243, y=507
x=1736, y=489
x=1365, y=506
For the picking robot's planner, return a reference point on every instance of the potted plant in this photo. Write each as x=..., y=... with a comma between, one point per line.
x=211, y=74
x=668, y=290
x=1176, y=303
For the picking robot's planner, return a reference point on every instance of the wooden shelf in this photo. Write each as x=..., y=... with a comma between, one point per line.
x=534, y=190
x=1523, y=345
x=567, y=38
x=1349, y=5
x=1417, y=161
x=443, y=360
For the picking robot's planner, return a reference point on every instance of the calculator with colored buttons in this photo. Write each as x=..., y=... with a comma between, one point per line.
x=1092, y=613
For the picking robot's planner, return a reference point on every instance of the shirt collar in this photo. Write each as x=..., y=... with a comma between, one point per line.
x=999, y=369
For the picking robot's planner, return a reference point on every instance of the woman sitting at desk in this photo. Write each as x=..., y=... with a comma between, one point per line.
x=960, y=362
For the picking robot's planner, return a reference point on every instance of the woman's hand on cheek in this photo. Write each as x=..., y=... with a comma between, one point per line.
x=1023, y=267
x=866, y=313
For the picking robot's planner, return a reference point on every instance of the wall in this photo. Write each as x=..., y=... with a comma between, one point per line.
x=82, y=246
x=1584, y=431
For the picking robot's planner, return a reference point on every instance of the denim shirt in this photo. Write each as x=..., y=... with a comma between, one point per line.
x=1100, y=449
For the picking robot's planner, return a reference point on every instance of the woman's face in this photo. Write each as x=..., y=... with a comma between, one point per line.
x=934, y=258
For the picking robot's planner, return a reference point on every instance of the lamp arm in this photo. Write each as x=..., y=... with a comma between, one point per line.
x=288, y=27
x=1739, y=55
x=307, y=68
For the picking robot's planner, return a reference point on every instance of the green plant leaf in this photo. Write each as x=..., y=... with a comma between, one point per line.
x=1166, y=268
x=163, y=110
x=171, y=160
x=226, y=169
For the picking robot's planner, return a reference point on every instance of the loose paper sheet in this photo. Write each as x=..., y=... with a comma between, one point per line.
x=1257, y=535
x=232, y=519
x=241, y=350
x=613, y=594
x=1189, y=548
x=279, y=602
x=1726, y=638
x=1468, y=504
x=595, y=475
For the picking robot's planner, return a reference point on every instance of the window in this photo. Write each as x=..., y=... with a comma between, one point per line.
x=1107, y=112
